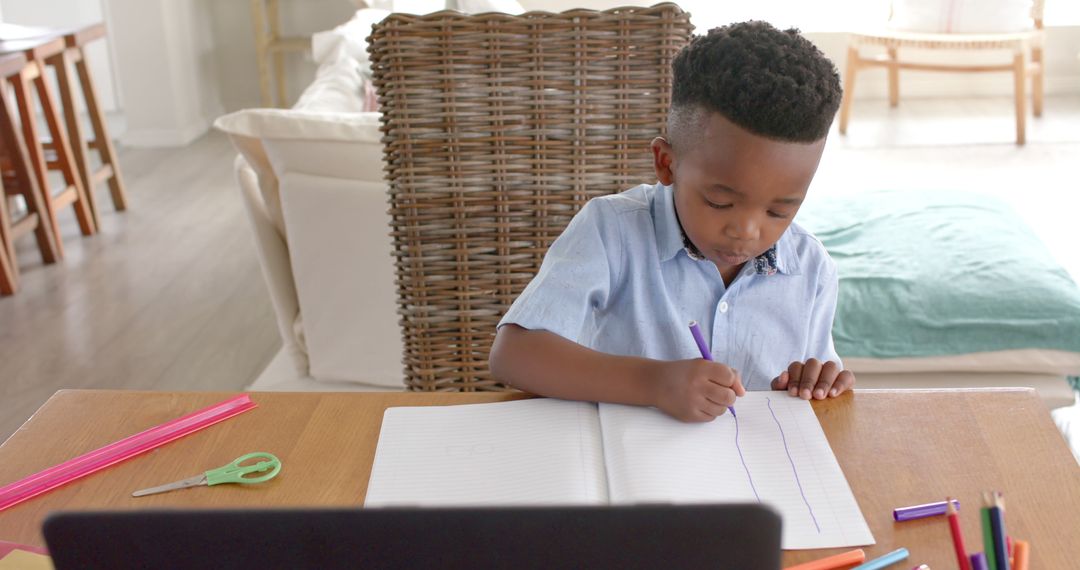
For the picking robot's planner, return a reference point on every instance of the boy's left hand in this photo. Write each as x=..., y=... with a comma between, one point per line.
x=814, y=379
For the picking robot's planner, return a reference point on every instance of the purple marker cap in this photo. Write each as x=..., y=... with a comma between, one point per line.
x=978, y=561
x=922, y=511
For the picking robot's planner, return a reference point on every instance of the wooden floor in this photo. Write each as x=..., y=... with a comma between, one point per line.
x=170, y=296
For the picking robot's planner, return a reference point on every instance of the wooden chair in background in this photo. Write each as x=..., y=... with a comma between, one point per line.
x=1027, y=61
x=497, y=130
x=60, y=157
x=109, y=170
x=19, y=180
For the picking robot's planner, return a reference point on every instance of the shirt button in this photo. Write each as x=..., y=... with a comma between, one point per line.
x=723, y=306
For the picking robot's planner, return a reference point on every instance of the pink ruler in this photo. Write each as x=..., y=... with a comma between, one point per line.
x=83, y=465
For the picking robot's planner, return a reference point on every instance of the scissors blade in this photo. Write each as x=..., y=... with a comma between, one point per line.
x=182, y=484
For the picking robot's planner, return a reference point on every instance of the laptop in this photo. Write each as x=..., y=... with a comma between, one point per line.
x=741, y=536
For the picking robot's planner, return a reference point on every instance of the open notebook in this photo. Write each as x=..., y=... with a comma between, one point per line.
x=550, y=452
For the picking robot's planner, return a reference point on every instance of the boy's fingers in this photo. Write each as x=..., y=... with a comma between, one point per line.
x=811, y=371
x=722, y=375
x=780, y=382
x=720, y=396
x=794, y=377
x=829, y=372
x=738, y=387
x=844, y=381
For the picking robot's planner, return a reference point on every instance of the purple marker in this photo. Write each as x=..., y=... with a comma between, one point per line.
x=922, y=511
x=704, y=348
x=978, y=561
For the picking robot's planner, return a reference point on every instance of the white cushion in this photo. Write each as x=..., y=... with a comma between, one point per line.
x=961, y=16
x=339, y=246
x=349, y=40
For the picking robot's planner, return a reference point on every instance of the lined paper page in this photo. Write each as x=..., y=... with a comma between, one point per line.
x=526, y=452
x=785, y=462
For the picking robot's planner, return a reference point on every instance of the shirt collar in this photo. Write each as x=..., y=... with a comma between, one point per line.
x=670, y=240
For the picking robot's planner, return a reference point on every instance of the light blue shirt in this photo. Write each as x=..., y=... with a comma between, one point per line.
x=620, y=280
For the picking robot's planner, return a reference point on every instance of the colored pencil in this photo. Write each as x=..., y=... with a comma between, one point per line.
x=978, y=561
x=842, y=560
x=1022, y=553
x=884, y=561
x=988, y=537
x=921, y=511
x=957, y=536
x=997, y=525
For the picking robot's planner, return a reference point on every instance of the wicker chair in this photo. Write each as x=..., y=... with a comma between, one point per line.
x=497, y=129
x=1024, y=45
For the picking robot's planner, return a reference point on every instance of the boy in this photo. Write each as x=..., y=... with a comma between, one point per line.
x=605, y=318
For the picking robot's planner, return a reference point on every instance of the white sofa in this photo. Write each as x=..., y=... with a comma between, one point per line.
x=311, y=178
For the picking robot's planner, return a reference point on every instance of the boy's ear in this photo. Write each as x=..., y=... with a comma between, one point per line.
x=663, y=158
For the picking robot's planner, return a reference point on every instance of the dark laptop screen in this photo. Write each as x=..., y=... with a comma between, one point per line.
x=744, y=537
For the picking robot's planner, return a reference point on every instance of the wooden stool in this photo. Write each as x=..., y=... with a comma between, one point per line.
x=38, y=50
x=19, y=180
x=9, y=282
x=102, y=142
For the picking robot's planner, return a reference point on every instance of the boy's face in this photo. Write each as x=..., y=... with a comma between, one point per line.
x=735, y=192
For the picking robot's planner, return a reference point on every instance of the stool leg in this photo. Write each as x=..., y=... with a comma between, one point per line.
x=894, y=78
x=64, y=154
x=15, y=147
x=279, y=57
x=79, y=152
x=258, y=17
x=9, y=279
x=1019, y=78
x=846, y=99
x=101, y=133
x=35, y=155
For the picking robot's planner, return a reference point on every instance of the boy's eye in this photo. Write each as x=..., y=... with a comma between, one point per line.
x=716, y=206
x=780, y=215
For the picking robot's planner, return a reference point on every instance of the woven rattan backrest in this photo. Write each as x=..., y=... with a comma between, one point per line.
x=497, y=129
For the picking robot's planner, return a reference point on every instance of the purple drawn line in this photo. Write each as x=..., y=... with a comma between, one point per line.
x=792, y=461
x=745, y=468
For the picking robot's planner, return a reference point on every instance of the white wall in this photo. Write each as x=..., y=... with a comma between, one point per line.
x=166, y=69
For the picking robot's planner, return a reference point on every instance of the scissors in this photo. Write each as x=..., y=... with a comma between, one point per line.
x=232, y=473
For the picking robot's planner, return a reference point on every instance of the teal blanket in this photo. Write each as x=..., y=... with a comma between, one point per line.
x=941, y=273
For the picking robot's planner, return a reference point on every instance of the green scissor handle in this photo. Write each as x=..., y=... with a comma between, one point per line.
x=234, y=472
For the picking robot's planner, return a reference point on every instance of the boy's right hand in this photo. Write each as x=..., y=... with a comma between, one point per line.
x=696, y=390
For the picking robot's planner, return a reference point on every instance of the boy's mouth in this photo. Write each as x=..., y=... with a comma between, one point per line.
x=731, y=257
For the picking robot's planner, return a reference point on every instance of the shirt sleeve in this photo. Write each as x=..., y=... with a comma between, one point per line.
x=575, y=278
x=819, y=339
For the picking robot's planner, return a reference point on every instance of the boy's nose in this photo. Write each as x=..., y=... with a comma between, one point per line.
x=744, y=229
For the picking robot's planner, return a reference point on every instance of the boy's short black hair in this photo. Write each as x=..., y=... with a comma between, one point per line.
x=773, y=83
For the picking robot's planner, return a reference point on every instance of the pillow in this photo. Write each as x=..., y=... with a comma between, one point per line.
x=961, y=16
x=930, y=275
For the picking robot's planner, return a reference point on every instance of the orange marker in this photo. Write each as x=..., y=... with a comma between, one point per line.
x=1022, y=552
x=836, y=561
x=957, y=537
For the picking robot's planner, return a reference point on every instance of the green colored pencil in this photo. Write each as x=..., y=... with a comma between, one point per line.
x=988, y=540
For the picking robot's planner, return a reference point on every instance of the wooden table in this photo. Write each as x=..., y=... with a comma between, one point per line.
x=896, y=448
